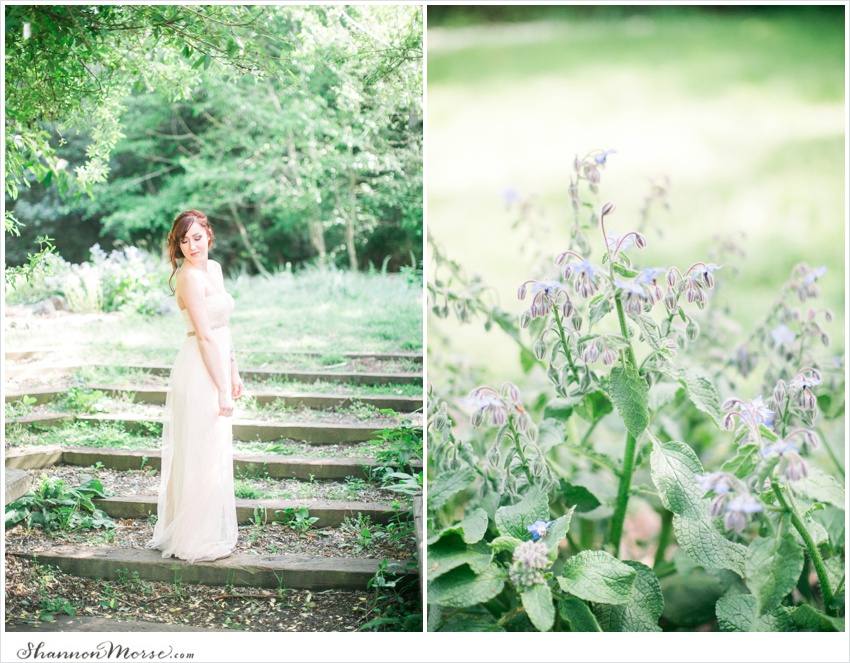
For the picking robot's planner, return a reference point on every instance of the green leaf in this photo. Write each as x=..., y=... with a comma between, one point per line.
x=462, y=587
x=689, y=599
x=593, y=406
x=673, y=466
x=773, y=566
x=743, y=462
x=630, y=393
x=559, y=408
x=575, y=611
x=739, y=613
x=538, y=605
x=643, y=608
x=622, y=270
x=557, y=531
x=527, y=359
x=808, y=619
x=649, y=331
x=595, y=575
x=472, y=528
x=579, y=496
x=447, y=485
x=449, y=553
x=821, y=487
x=702, y=393
x=483, y=623
x=197, y=64
x=514, y=520
x=598, y=309
x=504, y=543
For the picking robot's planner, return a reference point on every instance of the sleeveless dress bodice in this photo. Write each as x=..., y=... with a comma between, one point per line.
x=219, y=308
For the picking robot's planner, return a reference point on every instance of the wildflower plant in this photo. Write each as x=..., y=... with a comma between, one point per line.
x=527, y=519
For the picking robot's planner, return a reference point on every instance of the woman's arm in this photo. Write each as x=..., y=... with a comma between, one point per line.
x=191, y=290
x=235, y=379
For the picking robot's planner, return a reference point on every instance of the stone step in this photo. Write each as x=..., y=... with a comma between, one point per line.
x=273, y=466
x=31, y=371
x=17, y=484
x=311, y=433
x=156, y=396
x=330, y=513
x=31, y=353
x=81, y=624
x=273, y=571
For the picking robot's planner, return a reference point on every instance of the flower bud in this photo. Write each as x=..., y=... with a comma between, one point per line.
x=607, y=209
x=440, y=420
x=522, y=292
x=807, y=399
x=671, y=301
x=567, y=308
x=567, y=272
x=640, y=241
x=692, y=330
x=780, y=392
x=708, y=278
x=671, y=278
x=477, y=418
x=608, y=356
x=577, y=164
x=824, y=338
x=510, y=390
x=525, y=319
x=827, y=315
x=539, y=349
x=498, y=416
x=576, y=322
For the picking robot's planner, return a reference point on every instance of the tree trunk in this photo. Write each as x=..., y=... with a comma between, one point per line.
x=317, y=239
x=243, y=233
x=351, y=218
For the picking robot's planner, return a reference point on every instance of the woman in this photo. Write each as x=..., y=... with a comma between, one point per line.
x=197, y=506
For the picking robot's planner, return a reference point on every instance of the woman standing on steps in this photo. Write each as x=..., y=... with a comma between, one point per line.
x=197, y=506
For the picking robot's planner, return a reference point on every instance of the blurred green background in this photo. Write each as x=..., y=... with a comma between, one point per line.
x=742, y=108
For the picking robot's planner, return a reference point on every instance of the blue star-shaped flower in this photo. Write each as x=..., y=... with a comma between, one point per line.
x=539, y=528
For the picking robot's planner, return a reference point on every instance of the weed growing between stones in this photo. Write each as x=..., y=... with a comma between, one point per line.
x=628, y=495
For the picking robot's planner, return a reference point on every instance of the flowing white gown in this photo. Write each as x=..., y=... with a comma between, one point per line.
x=197, y=506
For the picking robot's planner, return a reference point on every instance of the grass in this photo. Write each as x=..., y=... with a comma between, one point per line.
x=329, y=312
x=744, y=113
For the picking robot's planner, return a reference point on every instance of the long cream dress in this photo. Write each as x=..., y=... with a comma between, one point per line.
x=197, y=507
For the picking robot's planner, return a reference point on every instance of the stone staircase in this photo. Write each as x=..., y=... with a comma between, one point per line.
x=47, y=383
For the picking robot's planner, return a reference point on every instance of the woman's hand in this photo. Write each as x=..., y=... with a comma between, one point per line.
x=238, y=388
x=225, y=404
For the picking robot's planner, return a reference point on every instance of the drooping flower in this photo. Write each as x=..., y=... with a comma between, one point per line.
x=633, y=296
x=530, y=559
x=739, y=510
x=756, y=412
x=539, y=528
x=585, y=283
x=814, y=275
x=602, y=156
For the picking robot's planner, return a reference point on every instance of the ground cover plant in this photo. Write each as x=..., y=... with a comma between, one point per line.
x=674, y=473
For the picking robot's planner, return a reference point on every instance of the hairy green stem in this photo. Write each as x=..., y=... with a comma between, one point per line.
x=814, y=553
x=564, y=342
x=515, y=437
x=623, y=493
x=664, y=537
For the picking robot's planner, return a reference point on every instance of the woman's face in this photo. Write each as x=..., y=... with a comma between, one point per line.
x=195, y=244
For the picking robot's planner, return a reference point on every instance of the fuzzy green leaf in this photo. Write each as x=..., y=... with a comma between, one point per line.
x=773, y=566
x=514, y=520
x=642, y=609
x=462, y=587
x=472, y=528
x=450, y=552
x=557, y=531
x=649, y=331
x=598, y=309
x=471, y=624
x=673, y=468
x=595, y=575
x=447, y=485
x=739, y=613
x=538, y=605
x=504, y=543
x=821, y=487
x=743, y=462
x=593, y=406
x=808, y=619
x=702, y=393
x=579, y=496
x=630, y=392
x=575, y=611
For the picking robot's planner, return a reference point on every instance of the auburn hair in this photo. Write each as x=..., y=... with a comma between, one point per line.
x=179, y=229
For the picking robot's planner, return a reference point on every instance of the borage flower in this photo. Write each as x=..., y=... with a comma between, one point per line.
x=539, y=528
x=804, y=381
x=754, y=413
x=739, y=510
x=633, y=296
x=783, y=335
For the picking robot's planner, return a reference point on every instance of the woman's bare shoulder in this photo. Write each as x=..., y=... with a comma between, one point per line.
x=188, y=278
x=214, y=266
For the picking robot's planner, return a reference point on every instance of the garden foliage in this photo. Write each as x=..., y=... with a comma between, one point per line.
x=648, y=416
x=54, y=506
